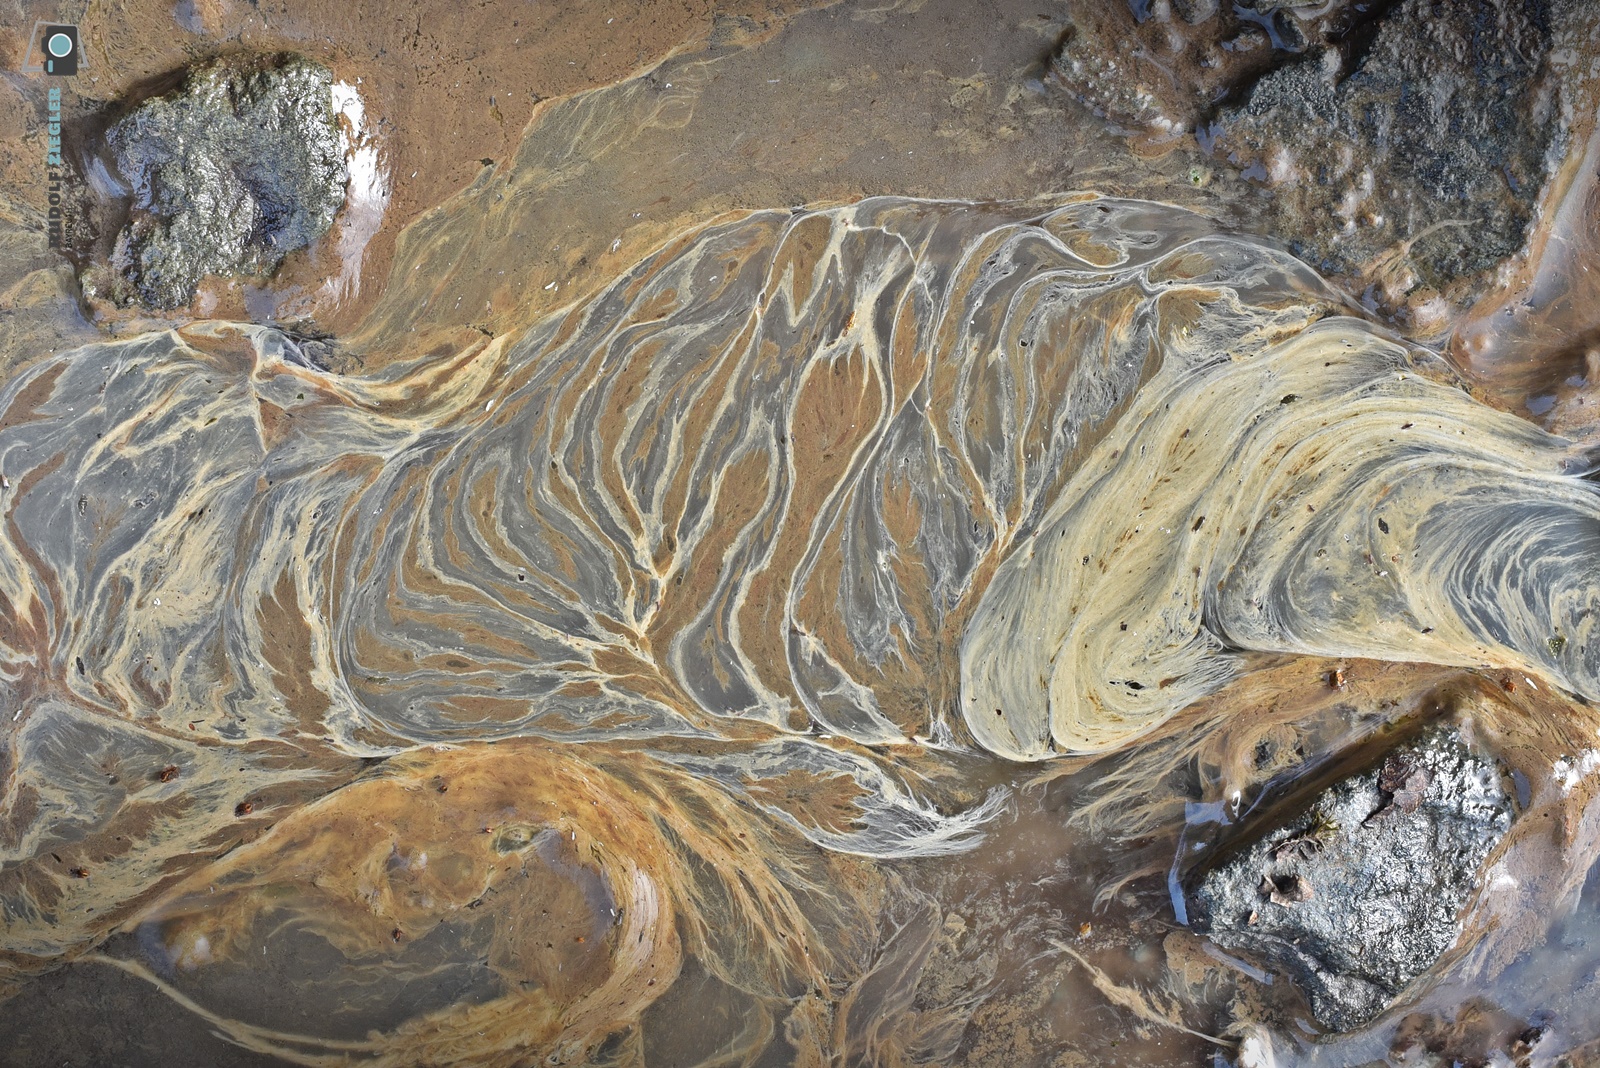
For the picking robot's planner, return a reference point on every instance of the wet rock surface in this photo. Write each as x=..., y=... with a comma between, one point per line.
x=1433, y=147
x=1403, y=145
x=1160, y=69
x=239, y=166
x=1361, y=893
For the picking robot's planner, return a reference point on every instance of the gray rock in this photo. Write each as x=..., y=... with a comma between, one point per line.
x=1362, y=893
x=236, y=168
x=1400, y=147
x=1434, y=142
x=1163, y=67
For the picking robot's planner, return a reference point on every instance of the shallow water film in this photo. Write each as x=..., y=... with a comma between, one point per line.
x=861, y=534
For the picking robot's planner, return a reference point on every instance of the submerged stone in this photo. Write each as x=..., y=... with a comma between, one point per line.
x=1362, y=893
x=1433, y=145
x=1161, y=72
x=1404, y=145
x=230, y=172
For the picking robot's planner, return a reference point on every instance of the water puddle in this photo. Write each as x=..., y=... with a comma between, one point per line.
x=800, y=554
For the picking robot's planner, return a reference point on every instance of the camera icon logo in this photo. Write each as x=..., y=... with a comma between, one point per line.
x=57, y=48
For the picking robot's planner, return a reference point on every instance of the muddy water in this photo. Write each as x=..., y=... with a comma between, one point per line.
x=807, y=546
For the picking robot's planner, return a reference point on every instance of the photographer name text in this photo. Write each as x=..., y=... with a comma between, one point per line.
x=53, y=167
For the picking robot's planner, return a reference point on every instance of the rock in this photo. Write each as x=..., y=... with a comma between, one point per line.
x=1361, y=893
x=1432, y=146
x=1160, y=69
x=1402, y=147
x=239, y=166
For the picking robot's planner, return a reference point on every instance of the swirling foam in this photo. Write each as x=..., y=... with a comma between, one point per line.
x=798, y=490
